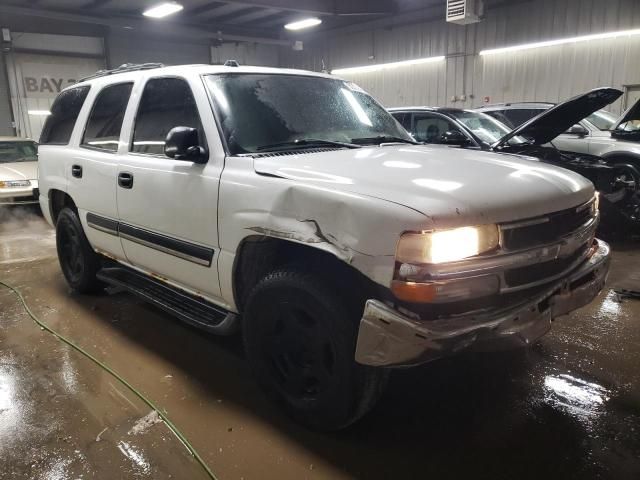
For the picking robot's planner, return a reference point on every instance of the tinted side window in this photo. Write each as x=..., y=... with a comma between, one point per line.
x=105, y=121
x=64, y=111
x=430, y=128
x=166, y=103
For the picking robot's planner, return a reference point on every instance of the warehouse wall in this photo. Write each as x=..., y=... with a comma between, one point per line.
x=6, y=128
x=552, y=73
x=124, y=47
x=246, y=53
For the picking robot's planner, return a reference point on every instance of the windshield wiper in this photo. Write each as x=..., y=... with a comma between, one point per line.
x=305, y=143
x=383, y=139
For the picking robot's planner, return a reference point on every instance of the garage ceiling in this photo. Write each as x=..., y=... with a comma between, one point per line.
x=265, y=18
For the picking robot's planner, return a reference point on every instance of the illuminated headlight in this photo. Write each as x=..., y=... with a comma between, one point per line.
x=14, y=183
x=447, y=245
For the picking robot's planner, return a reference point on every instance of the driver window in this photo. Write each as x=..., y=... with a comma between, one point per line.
x=166, y=103
x=429, y=128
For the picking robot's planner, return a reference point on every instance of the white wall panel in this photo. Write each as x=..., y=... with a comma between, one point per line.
x=551, y=73
x=246, y=54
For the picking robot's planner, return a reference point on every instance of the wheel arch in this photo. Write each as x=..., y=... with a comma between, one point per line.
x=630, y=158
x=59, y=200
x=259, y=255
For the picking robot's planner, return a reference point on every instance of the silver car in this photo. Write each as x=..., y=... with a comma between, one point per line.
x=615, y=139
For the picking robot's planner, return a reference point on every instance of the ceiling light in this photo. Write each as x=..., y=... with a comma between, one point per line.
x=39, y=112
x=561, y=41
x=306, y=23
x=163, y=9
x=383, y=66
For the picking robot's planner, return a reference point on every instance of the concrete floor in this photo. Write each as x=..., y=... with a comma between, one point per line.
x=567, y=408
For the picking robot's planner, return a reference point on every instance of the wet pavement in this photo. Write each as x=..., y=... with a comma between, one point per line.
x=567, y=408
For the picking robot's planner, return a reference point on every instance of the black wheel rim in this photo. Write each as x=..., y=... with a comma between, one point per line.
x=71, y=253
x=299, y=352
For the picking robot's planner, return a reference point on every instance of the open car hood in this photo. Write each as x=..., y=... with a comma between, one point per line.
x=632, y=113
x=552, y=122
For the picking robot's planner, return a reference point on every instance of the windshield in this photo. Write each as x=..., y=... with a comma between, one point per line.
x=260, y=112
x=18, y=152
x=486, y=128
x=602, y=120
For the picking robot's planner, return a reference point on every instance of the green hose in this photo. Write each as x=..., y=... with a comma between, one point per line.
x=137, y=393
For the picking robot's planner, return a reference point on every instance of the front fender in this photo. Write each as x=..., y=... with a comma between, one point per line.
x=360, y=230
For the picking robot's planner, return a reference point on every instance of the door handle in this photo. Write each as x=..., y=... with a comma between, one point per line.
x=125, y=179
x=76, y=171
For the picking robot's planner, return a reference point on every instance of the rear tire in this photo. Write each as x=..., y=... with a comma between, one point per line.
x=78, y=261
x=300, y=342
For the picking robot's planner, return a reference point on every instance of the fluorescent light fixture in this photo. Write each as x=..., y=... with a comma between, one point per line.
x=306, y=23
x=39, y=112
x=562, y=41
x=383, y=66
x=162, y=10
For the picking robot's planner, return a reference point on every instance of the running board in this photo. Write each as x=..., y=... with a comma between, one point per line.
x=187, y=307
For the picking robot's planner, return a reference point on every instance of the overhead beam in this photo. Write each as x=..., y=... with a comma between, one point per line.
x=253, y=16
x=215, y=11
x=193, y=32
x=321, y=7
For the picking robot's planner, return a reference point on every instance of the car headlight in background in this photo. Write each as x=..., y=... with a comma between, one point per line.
x=447, y=245
x=14, y=183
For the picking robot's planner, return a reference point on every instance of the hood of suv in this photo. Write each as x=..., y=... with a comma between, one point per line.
x=452, y=186
x=549, y=124
x=19, y=171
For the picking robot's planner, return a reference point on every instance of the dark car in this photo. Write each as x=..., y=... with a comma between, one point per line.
x=473, y=129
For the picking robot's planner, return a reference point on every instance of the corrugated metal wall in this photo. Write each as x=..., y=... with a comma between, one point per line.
x=126, y=47
x=552, y=73
x=246, y=53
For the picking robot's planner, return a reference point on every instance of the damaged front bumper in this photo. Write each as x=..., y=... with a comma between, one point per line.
x=388, y=338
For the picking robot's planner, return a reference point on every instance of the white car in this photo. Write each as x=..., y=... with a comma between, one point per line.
x=18, y=171
x=291, y=205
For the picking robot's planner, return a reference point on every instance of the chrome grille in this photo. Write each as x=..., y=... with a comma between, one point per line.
x=544, y=230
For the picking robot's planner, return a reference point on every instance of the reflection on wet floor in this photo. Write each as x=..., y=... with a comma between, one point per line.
x=579, y=398
x=569, y=407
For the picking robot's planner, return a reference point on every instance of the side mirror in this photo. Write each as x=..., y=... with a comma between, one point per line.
x=454, y=137
x=578, y=129
x=182, y=143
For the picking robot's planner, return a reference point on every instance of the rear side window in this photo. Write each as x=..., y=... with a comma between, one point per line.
x=166, y=103
x=430, y=128
x=520, y=115
x=105, y=121
x=64, y=112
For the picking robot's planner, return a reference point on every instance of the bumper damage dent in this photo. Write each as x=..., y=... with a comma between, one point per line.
x=387, y=338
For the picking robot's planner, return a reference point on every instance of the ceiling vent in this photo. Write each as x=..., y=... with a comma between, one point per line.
x=464, y=12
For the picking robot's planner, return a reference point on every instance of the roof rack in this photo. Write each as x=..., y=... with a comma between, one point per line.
x=508, y=104
x=125, y=67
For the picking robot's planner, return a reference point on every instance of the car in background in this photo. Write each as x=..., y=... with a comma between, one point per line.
x=478, y=130
x=616, y=139
x=18, y=171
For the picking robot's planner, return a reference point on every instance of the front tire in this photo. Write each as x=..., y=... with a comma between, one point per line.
x=78, y=261
x=300, y=342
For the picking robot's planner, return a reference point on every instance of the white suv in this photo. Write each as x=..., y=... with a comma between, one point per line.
x=292, y=205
